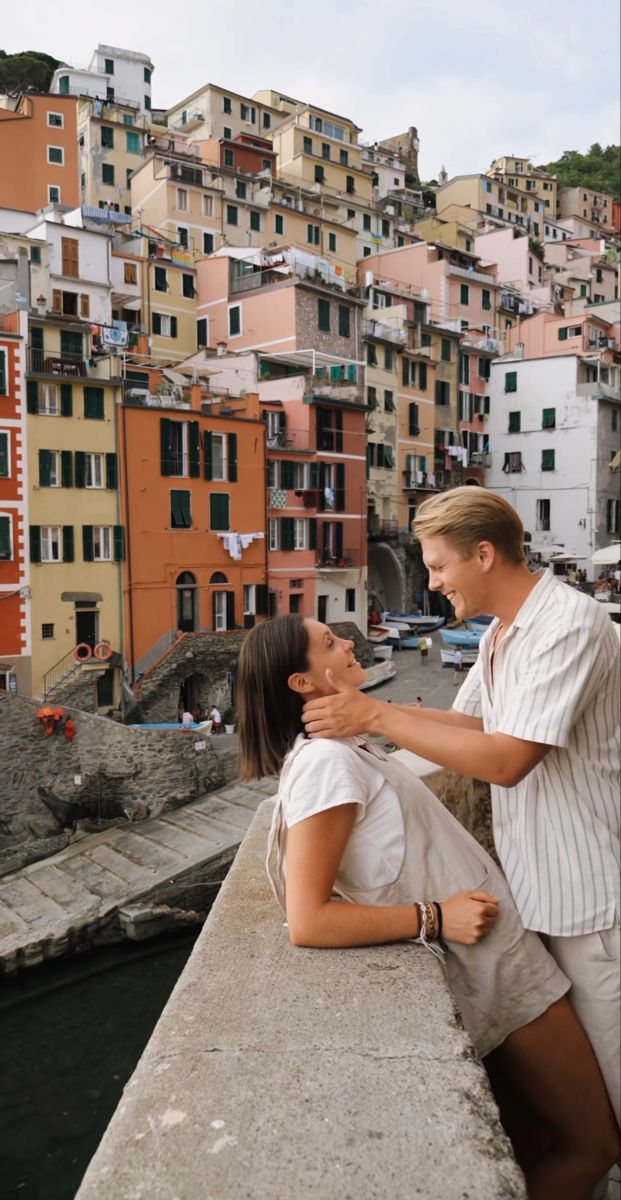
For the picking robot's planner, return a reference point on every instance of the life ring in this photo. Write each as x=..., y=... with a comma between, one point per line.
x=78, y=652
x=102, y=651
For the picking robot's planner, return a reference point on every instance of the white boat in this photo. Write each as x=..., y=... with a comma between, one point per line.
x=468, y=657
x=416, y=622
x=382, y=652
x=378, y=634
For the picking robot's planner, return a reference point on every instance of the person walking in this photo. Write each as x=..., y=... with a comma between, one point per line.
x=538, y=718
x=458, y=662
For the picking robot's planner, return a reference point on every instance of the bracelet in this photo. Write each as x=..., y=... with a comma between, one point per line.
x=439, y=922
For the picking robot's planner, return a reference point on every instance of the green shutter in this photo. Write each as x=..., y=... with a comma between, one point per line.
x=68, y=544
x=194, y=465
x=549, y=418
x=207, y=450
x=230, y=610
x=312, y=534
x=261, y=599
x=165, y=463
x=464, y=293
x=32, y=396
x=232, y=456
x=562, y=333
x=219, y=511
x=486, y=404
x=94, y=403
x=547, y=460
x=3, y=387
x=422, y=377
x=173, y=327
x=314, y=475
x=460, y=407
x=80, y=469
x=66, y=468
x=156, y=323
x=87, y=543
x=180, y=509
x=286, y=475
x=66, y=400
x=287, y=534
x=340, y=487
x=5, y=538
x=4, y=455
x=515, y=422
x=112, y=474
x=511, y=381
x=45, y=468
x=35, y=543
x=119, y=543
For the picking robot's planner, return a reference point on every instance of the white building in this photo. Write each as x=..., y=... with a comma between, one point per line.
x=554, y=428
x=113, y=74
x=78, y=266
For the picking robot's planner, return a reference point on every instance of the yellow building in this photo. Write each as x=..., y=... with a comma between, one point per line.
x=384, y=343
x=76, y=537
x=311, y=221
x=451, y=232
x=111, y=140
x=491, y=198
x=520, y=173
x=176, y=195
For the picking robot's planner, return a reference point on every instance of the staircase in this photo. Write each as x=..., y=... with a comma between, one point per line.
x=66, y=668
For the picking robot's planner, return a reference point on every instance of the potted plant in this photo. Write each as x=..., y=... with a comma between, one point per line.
x=228, y=720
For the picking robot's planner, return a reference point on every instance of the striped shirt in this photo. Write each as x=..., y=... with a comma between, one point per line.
x=556, y=681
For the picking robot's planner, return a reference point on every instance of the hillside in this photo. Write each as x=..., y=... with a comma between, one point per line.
x=27, y=69
x=599, y=169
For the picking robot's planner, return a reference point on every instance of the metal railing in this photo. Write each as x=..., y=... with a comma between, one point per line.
x=383, y=529
x=62, y=670
x=71, y=366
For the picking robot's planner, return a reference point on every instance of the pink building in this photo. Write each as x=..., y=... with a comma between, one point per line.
x=547, y=335
x=462, y=293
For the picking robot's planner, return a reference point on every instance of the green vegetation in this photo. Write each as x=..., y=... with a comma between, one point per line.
x=598, y=169
x=27, y=69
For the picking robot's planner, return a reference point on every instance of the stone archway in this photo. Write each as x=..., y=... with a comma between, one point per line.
x=387, y=583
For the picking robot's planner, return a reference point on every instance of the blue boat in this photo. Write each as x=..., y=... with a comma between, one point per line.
x=410, y=643
x=460, y=637
x=479, y=625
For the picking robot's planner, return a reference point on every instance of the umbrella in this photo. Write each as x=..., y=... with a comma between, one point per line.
x=541, y=549
x=608, y=555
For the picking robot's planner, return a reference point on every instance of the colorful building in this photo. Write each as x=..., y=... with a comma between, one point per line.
x=494, y=199
x=15, y=603
x=39, y=153
x=594, y=210
x=111, y=140
x=517, y=172
x=113, y=74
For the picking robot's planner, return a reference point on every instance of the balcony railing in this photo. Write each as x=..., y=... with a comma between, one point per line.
x=71, y=366
x=379, y=329
x=476, y=276
x=481, y=458
x=350, y=558
x=381, y=530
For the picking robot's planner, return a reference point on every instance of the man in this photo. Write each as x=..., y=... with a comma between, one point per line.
x=458, y=662
x=538, y=718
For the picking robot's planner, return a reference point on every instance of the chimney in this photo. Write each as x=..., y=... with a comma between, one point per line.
x=195, y=396
x=221, y=348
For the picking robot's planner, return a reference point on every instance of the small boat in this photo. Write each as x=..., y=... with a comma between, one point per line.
x=378, y=634
x=460, y=637
x=381, y=672
x=410, y=643
x=468, y=657
x=416, y=621
x=397, y=623
x=380, y=653
x=479, y=625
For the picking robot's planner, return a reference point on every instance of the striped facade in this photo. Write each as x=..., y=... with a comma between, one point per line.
x=15, y=623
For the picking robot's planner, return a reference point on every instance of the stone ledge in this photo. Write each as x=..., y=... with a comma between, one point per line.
x=276, y=1073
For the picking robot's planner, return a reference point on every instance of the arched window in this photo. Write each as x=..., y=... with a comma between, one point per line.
x=187, y=602
x=218, y=577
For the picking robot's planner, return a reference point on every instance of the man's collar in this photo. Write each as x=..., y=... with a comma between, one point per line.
x=535, y=601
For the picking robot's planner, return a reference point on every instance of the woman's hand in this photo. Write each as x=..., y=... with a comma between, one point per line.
x=468, y=917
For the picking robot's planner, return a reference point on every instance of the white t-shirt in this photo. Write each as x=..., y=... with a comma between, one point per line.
x=215, y=715
x=326, y=773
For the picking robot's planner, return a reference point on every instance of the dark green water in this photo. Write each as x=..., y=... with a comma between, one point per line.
x=71, y=1033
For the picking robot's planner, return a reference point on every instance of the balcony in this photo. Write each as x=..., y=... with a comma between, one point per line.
x=191, y=121
x=381, y=531
x=327, y=561
x=387, y=333
x=58, y=364
x=472, y=276
x=481, y=458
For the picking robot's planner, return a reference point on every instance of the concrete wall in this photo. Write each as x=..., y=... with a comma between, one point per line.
x=277, y=1072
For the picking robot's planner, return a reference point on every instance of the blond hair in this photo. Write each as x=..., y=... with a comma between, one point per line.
x=466, y=516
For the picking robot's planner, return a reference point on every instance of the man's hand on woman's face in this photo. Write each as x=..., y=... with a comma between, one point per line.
x=344, y=714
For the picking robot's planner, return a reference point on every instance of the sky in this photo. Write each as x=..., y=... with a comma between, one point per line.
x=477, y=79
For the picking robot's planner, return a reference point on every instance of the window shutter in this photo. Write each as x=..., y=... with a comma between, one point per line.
x=3, y=387
x=286, y=475
x=207, y=447
x=68, y=544
x=111, y=472
x=460, y=407
x=213, y=610
x=314, y=475
x=338, y=439
x=230, y=610
x=45, y=468
x=338, y=539
x=66, y=468
x=87, y=542
x=173, y=327
x=85, y=305
x=119, y=543
x=35, y=543
x=232, y=448
x=66, y=400
x=340, y=487
x=261, y=599
x=287, y=535
x=4, y=455
x=422, y=376
x=486, y=404
x=219, y=511
x=505, y=465
x=94, y=403
x=80, y=469
x=57, y=300
x=405, y=369
x=32, y=396
x=156, y=323
x=312, y=534
x=194, y=465
x=165, y=463
x=413, y=420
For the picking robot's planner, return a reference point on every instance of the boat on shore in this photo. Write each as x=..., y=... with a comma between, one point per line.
x=468, y=657
x=460, y=637
x=381, y=653
x=417, y=622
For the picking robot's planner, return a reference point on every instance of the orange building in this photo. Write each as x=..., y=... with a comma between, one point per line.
x=193, y=500
x=39, y=153
x=14, y=577
x=246, y=154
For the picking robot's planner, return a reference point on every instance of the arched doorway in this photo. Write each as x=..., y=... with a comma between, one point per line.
x=223, y=603
x=386, y=578
x=187, y=603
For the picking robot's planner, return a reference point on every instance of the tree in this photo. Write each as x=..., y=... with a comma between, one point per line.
x=27, y=69
x=599, y=169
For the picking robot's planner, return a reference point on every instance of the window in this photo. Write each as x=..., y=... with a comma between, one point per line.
x=146, y=75
x=443, y=392
x=94, y=403
x=49, y=468
x=48, y=400
x=279, y=223
x=422, y=376
x=51, y=543
x=147, y=103
x=227, y=104
x=128, y=119
x=174, y=445
x=133, y=143
x=35, y=255
x=107, y=173
x=366, y=251
x=300, y=538
x=219, y=511
x=161, y=279
x=107, y=137
x=56, y=155
x=484, y=368
x=108, y=66
x=313, y=234
x=464, y=293
x=94, y=465
x=6, y=538
x=63, y=85
x=612, y=516
x=548, y=418
x=180, y=509
x=187, y=286
x=4, y=455
x=183, y=236
x=366, y=221
x=267, y=120
x=323, y=315
x=231, y=214
x=208, y=243
x=486, y=299
x=248, y=113
x=513, y=462
x=102, y=543
x=413, y=422
x=515, y=422
x=229, y=158
x=182, y=199
x=445, y=350
x=55, y=119
x=308, y=145
x=344, y=315
x=547, y=460
x=218, y=457
x=255, y=220
x=371, y=354
x=385, y=229
x=332, y=242
x=389, y=401
x=325, y=150
x=202, y=335
x=207, y=206
x=542, y=518
x=227, y=133
x=511, y=381
x=240, y=189
x=69, y=257
x=47, y=631
x=372, y=397
x=350, y=185
x=235, y=320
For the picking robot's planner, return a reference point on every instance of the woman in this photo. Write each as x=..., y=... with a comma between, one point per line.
x=353, y=823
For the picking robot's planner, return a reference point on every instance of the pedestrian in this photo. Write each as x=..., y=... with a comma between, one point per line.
x=418, y=703
x=538, y=718
x=458, y=662
x=187, y=720
x=198, y=714
x=423, y=646
x=352, y=824
x=216, y=717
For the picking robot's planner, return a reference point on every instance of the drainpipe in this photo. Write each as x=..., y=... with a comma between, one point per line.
x=128, y=557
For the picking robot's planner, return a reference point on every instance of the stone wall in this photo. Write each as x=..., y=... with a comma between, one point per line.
x=108, y=771
x=328, y=343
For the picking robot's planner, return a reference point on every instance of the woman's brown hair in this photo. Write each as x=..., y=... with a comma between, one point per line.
x=269, y=713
